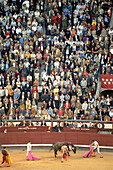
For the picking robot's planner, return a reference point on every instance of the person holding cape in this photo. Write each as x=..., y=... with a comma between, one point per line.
x=30, y=155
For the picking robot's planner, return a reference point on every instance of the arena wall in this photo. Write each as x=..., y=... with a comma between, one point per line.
x=52, y=137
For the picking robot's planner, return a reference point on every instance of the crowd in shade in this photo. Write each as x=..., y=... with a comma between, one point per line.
x=53, y=51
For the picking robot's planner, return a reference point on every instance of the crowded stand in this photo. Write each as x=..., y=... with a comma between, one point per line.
x=52, y=53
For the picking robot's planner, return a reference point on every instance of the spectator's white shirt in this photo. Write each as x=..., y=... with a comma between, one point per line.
x=26, y=11
x=62, y=98
x=37, y=14
x=27, y=64
x=29, y=78
x=62, y=74
x=26, y=3
x=36, y=76
x=52, y=78
x=22, y=56
x=1, y=92
x=110, y=113
x=84, y=106
x=76, y=11
x=34, y=22
x=18, y=83
x=83, y=83
x=55, y=83
x=15, y=16
x=75, y=20
x=18, y=30
x=57, y=77
x=6, y=92
x=34, y=28
x=56, y=64
x=39, y=89
x=43, y=74
x=111, y=50
x=110, y=32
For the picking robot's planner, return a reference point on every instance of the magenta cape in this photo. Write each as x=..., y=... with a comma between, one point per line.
x=31, y=156
x=88, y=154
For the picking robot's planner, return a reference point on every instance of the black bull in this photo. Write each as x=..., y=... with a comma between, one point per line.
x=57, y=147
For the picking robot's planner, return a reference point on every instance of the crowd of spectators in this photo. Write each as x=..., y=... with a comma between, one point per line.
x=53, y=52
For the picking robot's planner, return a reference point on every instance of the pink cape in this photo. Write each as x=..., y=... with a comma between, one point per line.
x=88, y=154
x=31, y=156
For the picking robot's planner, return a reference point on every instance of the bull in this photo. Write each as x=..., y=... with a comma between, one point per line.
x=57, y=147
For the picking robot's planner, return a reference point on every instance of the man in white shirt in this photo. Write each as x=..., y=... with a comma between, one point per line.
x=95, y=146
x=18, y=30
x=28, y=147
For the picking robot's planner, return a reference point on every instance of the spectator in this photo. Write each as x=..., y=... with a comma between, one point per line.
x=57, y=128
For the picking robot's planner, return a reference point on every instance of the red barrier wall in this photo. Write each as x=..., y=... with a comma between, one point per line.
x=49, y=138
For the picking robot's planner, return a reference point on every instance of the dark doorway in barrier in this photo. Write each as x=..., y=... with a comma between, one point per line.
x=105, y=92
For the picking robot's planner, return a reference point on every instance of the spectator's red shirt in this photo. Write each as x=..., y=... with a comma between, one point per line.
x=60, y=112
x=16, y=74
x=67, y=106
x=33, y=90
x=59, y=18
x=85, y=74
x=19, y=20
x=93, y=27
x=54, y=19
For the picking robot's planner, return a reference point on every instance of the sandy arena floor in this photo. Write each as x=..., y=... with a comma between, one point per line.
x=48, y=162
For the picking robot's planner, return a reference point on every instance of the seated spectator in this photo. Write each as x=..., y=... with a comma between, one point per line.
x=45, y=97
x=91, y=125
x=69, y=114
x=33, y=113
x=34, y=104
x=91, y=117
x=84, y=125
x=78, y=105
x=96, y=117
x=22, y=111
x=43, y=123
x=107, y=118
x=28, y=104
x=50, y=112
x=23, y=123
x=71, y=124
x=44, y=105
x=2, y=111
x=4, y=117
x=44, y=112
x=11, y=124
x=55, y=113
x=39, y=111
x=80, y=124
x=60, y=112
x=47, y=117
x=11, y=112
x=57, y=128
x=30, y=123
x=21, y=117
x=75, y=124
x=66, y=124
x=5, y=124
x=111, y=113
x=67, y=105
x=93, y=112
